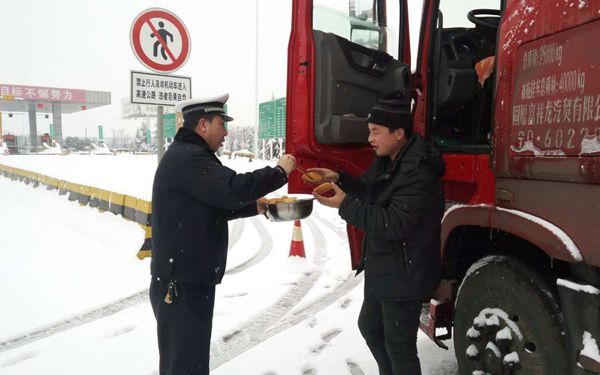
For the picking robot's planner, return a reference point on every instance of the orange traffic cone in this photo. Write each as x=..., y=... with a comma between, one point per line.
x=297, y=247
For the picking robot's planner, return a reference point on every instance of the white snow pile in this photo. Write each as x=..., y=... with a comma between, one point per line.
x=578, y=287
x=504, y=334
x=100, y=149
x=472, y=351
x=491, y=346
x=243, y=152
x=528, y=146
x=492, y=321
x=48, y=150
x=590, y=347
x=511, y=358
x=487, y=313
x=590, y=145
x=472, y=333
x=559, y=233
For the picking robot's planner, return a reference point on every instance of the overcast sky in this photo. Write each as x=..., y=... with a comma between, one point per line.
x=84, y=44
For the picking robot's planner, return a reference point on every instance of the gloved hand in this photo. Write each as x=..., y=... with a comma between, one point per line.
x=288, y=163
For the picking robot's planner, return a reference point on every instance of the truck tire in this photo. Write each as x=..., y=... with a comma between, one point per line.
x=507, y=321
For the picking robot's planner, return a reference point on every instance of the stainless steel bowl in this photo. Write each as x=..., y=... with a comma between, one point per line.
x=296, y=210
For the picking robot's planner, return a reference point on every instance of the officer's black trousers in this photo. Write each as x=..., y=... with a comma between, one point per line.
x=184, y=327
x=390, y=329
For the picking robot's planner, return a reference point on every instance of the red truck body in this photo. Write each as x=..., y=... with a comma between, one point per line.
x=520, y=238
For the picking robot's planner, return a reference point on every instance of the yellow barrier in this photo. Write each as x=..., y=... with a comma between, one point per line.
x=146, y=250
x=129, y=205
x=103, y=200
x=116, y=203
x=143, y=212
x=94, y=197
x=131, y=208
x=62, y=187
x=51, y=183
x=73, y=190
x=84, y=195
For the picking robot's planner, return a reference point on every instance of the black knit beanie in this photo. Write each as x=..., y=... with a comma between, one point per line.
x=393, y=111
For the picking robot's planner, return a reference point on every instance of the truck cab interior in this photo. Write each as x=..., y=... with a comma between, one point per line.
x=462, y=81
x=361, y=54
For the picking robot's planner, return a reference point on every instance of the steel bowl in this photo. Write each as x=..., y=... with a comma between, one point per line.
x=296, y=210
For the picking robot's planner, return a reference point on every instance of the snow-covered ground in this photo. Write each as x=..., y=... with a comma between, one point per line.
x=75, y=295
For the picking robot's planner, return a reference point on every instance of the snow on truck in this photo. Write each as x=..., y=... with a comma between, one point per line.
x=510, y=93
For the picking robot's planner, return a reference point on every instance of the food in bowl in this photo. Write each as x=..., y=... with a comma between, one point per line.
x=284, y=199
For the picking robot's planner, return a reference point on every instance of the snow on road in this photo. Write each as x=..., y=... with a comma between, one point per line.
x=65, y=265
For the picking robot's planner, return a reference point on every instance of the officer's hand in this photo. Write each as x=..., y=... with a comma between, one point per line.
x=335, y=201
x=320, y=175
x=288, y=163
x=261, y=205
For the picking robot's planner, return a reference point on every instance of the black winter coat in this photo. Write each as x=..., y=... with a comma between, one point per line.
x=193, y=197
x=399, y=205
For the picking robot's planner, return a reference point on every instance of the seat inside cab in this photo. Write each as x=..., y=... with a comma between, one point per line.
x=463, y=79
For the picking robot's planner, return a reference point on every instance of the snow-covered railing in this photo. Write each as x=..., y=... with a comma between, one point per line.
x=129, y=207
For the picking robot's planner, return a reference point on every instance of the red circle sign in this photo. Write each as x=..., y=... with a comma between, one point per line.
x=159, y=40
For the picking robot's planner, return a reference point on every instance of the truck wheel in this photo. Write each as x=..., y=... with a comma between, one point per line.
x=507, y=321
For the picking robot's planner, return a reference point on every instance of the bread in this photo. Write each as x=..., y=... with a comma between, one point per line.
x=284, y=199
x=324, y=188
x=313, y=177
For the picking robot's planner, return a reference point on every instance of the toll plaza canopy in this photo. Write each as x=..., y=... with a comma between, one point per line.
x=34, y=99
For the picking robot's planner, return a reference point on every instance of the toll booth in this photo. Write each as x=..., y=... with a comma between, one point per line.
x=52, y=101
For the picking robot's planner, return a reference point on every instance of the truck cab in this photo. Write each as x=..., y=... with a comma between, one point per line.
x=508, y=92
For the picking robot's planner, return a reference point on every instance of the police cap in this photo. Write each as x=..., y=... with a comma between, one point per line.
x=204, y=106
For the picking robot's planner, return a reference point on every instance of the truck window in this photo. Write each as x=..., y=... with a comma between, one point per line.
x=455, y=12
x=355, y=63
x=356, y=21
x=462, y=100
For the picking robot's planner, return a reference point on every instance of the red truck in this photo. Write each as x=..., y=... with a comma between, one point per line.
x=511, y=96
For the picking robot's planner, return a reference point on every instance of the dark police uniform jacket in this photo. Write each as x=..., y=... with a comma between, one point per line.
x=193, y=197
x=399, y=205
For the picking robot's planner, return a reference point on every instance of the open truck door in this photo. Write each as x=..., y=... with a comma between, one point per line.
x=342, y=56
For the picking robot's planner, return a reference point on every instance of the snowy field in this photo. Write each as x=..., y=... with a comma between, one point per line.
x=75, y=296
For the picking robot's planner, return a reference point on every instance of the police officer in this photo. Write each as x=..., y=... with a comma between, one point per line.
x=398, y=203
x=193, y=198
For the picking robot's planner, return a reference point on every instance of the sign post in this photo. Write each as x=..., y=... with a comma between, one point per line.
x=101, y=133
x=161, y=42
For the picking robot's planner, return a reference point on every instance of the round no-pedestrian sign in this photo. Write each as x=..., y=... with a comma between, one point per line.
x=160, y=40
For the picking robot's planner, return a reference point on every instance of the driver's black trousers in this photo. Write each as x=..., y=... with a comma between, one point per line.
x=390, y=329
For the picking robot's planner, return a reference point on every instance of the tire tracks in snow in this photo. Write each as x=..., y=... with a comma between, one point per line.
x=102, y=311
x=74, y=321
x=275, y=319
x=256, y=329
x=236, y=233
x=339, y=232
x=266, y=246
